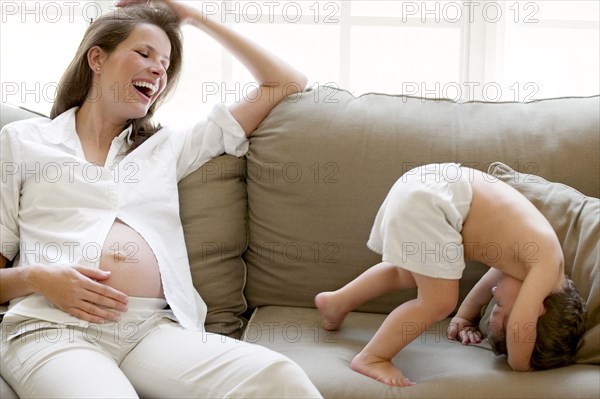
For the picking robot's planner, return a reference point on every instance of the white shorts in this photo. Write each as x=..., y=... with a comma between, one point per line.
x=418, y=225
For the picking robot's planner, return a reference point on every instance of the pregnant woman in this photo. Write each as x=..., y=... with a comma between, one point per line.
x=101, y=297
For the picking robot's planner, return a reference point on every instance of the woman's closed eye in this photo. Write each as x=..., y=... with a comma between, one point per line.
x=145, y=55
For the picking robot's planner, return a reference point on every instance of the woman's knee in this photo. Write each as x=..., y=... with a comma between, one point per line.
x=284, y=378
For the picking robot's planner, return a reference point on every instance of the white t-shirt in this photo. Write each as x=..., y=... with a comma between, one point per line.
x=57, y=209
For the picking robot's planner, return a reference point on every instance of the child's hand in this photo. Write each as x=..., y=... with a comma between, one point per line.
x=464, y=330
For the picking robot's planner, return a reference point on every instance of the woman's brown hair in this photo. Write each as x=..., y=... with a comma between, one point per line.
x=107, y=32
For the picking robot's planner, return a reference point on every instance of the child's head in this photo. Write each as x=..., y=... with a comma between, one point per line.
x=559, y=327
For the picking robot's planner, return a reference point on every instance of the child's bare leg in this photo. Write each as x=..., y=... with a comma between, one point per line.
x=374, y=282
x=436, y=299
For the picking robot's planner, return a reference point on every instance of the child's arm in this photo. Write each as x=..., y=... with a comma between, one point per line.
x=521, y=331
x=461, y=325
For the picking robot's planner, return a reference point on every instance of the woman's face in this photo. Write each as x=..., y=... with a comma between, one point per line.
x=135, y=73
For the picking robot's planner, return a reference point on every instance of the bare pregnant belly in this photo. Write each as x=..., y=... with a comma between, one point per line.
x=133, y=266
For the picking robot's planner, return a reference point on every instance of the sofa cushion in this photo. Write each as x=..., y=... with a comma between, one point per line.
x=576, y=219
x=323, y=161
x=441, y=368
x=213, y=213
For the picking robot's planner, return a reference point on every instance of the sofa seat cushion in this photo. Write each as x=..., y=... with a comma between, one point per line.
x=441, y=368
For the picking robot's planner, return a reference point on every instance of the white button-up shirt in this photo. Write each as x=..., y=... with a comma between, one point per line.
x=56, y=208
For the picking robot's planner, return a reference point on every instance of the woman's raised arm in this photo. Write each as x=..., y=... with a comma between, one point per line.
x=275, y=77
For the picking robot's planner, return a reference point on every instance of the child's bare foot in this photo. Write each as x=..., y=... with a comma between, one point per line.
x=331, y=312
x=382, y=370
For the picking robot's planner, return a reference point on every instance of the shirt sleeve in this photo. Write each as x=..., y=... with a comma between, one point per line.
x=218, y=133
x=10, y=189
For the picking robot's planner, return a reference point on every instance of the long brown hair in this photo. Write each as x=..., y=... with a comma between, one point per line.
x=107, y=32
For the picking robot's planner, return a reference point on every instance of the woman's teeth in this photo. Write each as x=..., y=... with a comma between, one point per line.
x=149, y=88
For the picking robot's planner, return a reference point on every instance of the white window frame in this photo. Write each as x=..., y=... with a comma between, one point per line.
x=482, y=45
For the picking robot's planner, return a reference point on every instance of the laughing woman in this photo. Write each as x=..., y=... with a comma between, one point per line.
x=101, y=297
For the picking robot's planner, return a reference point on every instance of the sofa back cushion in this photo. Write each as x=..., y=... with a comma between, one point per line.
x=323, y=161
x=213, y=213
x=11, y=113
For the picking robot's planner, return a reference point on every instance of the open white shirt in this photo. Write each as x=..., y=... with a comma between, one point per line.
x=56, y=208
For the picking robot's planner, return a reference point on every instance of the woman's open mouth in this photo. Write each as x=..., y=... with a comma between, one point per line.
x=145, y=88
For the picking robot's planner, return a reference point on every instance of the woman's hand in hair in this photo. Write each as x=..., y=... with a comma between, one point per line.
x=184, y=13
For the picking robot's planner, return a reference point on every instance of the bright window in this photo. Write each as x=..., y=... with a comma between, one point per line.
x=464, y=50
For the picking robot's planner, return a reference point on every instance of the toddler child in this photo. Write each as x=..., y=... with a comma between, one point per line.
x=436, y=216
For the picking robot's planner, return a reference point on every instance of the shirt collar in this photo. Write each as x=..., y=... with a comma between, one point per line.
x=63, y=130
x=126, y=134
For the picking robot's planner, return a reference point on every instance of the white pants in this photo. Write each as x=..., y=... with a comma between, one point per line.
x=145, y=354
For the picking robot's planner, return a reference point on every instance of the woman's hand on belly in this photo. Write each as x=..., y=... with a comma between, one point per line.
x=76, y=290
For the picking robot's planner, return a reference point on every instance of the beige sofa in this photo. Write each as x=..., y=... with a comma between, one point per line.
x=267, y=232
